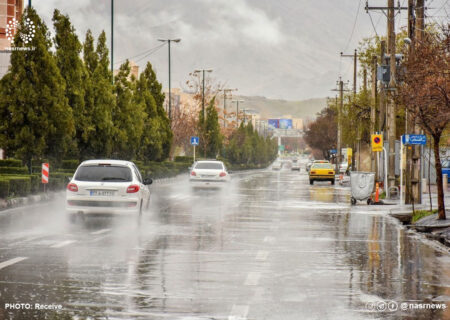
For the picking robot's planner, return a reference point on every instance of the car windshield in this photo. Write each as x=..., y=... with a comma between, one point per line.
x=103, y=173
x=209, y=165
x=322, y=166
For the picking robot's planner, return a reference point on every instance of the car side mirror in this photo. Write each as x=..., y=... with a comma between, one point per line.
x=148, y=181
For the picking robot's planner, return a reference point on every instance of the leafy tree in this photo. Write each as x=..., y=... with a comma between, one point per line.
x=128, y=116
x=321, y=134
x=71, y=67
x=99, y=99
x=36, y=118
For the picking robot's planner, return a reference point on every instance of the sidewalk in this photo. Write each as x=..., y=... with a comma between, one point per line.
x=432, y=227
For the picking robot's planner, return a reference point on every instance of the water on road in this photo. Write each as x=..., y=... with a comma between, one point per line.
x=270, y=246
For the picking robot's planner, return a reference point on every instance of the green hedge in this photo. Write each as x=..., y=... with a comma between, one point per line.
x=184, y=159
x=19, y=185
x=13, y=170
x=4, y=188
x=70, y=164
x=10, y=163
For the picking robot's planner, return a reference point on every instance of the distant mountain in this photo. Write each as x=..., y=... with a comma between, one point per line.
x=273, y=108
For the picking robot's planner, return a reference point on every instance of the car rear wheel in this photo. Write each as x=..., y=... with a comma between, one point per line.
x=332, y=182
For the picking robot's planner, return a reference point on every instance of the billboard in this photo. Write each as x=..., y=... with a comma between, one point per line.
x=274, y=123
x=285, y=124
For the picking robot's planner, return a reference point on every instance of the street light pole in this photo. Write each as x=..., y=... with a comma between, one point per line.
x=170, y=89
x=112, y=37
x=203, y=88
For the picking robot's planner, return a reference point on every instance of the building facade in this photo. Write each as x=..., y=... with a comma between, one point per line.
x=9, y=10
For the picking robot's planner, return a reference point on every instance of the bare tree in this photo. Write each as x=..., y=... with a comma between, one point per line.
x=425, y=93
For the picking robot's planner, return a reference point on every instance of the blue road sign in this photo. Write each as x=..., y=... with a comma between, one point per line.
x=194, y=141
x=408, y=139
x=333, y=151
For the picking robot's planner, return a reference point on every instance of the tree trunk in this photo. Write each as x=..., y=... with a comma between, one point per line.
x=440, y=187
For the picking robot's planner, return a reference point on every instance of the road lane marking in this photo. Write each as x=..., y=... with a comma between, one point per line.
x=238, y=312
x=269, y=239
x=252, y=279
x=62, y=244
x=11, y=261
x=100, y=231
x=262, y=255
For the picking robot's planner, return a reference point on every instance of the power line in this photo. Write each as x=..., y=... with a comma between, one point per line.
x=146, y=52
x=354, y=25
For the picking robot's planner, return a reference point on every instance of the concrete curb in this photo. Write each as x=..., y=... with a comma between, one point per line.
x=24, y=201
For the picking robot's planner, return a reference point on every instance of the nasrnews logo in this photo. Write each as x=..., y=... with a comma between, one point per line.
x=26, y=33
x=392, y=306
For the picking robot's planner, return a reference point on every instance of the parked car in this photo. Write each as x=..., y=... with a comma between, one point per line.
x=207, y=173
x=277, y=165
x=321, y=171
x=295, y=165
x=343, y=168
x=107, y=187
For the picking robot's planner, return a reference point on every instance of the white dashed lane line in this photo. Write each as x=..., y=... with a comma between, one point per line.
x=62, y=244
x=252, y=279
x=11, y=262
x=238, y=312
x=100, y=231
x=262, y=255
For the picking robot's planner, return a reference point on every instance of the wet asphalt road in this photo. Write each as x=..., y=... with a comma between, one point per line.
x=268, y=247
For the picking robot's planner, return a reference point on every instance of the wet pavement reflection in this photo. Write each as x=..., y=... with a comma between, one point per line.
x=268, y=246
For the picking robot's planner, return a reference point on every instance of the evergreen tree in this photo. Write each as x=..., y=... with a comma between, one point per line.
x=210, y=131
x=36, y=118
x=71, y=67
x=148, y=77
x=99, y=98
x=151, y=141
x=128, y=117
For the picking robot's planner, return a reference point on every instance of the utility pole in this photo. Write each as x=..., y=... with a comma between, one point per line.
x=170, y=89
x=373, y=109
x=355, y=64
x=112, y=36
x=391, y=127
x=203, y=88
x=225, y=91
x=416, y=174
x=339, y=137
x=237, y=111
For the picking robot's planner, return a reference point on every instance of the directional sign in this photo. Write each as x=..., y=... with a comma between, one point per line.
x=408, y=139
x=377, y=142
x=194, y=141
x=333, y=151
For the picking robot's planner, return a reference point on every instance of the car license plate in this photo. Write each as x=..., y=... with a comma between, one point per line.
x=208, y=175
x=102, y=193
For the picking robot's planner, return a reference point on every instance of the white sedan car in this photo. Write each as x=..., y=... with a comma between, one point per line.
x=107, y=187
x=207, y=173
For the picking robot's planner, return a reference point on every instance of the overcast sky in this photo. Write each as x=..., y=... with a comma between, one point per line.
x=286, y=49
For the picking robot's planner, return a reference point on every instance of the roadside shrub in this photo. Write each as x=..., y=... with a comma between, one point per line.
x=70, y=164
x=35, y=183
x=19, y=185
x=10, y=163
x=184, y=159
x=13, y=170
x=4, y=188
